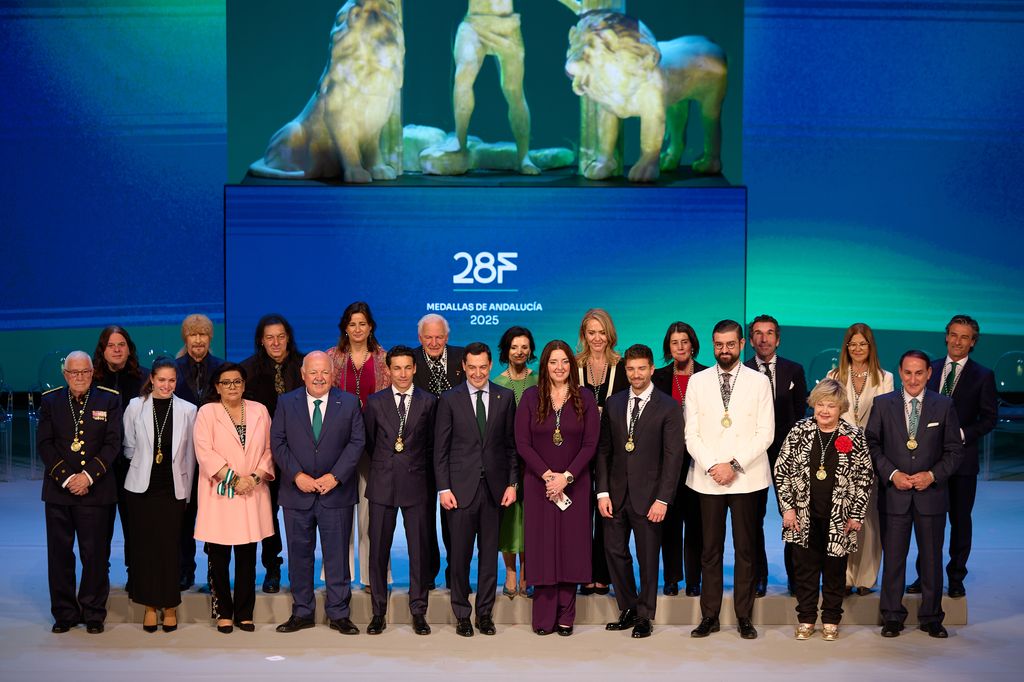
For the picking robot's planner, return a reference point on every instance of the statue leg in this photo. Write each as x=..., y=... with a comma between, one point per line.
x=604, y=165
x=675, y=123
x=512, y=67
x=711, y=162
x=351, y=159
x=370, y=150
x=652, y=133
x=469, y=56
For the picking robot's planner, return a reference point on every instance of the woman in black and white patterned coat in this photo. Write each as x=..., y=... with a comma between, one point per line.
x=823, y=478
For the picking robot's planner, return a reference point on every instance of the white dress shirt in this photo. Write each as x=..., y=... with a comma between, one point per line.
x=323, y=404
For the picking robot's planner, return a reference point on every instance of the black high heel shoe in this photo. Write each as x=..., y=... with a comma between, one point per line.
x=245, y=627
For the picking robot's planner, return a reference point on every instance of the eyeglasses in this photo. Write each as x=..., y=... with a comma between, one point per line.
x=860, y=344
x=232, y=383
x=78, y=373
x=731, y=345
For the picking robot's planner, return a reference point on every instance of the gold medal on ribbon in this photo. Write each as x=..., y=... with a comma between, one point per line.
x=821, y=474
x=76, y=445
x=159, y=456
x=399, y=444
x=912, y=443
x=556, y=437
x=726, y=421
x=630, y=446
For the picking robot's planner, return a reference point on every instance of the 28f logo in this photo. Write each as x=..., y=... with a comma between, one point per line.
x=485, y=267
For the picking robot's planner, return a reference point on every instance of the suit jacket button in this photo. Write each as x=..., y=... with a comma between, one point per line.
x=83, y=462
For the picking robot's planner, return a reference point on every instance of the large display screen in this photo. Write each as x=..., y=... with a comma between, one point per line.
x=485, y=259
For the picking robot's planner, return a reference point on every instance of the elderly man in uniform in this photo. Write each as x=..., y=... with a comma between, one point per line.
x=78, y=438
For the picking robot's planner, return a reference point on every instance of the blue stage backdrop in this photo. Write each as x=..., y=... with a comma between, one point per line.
x=485, y=258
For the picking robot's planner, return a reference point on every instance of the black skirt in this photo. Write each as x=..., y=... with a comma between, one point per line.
x=154, y=526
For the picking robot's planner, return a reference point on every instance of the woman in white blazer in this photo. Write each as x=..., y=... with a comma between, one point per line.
x=862, y=376
x=158, y=443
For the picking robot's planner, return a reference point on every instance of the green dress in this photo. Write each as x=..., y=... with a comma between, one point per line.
x=511, y=537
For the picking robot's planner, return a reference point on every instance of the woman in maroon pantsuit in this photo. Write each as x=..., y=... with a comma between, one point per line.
x=557, y=428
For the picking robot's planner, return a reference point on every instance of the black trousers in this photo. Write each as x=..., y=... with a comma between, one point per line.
x=682, y=540
x=121, y=466
x=435, y=551
x=743, y=507
x=479, y=521
x=761, y=554
x=270, y=553
x=813, y=567
x=962, y=492
x=91, y=525
x=383, y=520
x=240, y=606
x=599, y=572
x=647, y=536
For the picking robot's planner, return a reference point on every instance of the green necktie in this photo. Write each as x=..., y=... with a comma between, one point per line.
x=947, y=387
x=915, y=416
x=318, y=419
x=481, y=413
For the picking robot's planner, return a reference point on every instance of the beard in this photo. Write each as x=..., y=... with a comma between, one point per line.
x=726, y=361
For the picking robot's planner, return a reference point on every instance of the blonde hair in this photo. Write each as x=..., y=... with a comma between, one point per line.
x=842, y=373
x=829, y=389
x=605, y=320
x=196, y=324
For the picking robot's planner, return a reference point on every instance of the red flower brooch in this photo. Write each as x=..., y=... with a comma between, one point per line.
x=844, y=444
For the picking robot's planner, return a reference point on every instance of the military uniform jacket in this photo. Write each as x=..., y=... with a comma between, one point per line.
x=101, y=444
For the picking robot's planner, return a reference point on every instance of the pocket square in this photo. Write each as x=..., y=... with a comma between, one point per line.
x=791, y=385
x=933, y=424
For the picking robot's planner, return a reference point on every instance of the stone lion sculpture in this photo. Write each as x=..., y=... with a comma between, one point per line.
x=338, y=133
x=616, y=61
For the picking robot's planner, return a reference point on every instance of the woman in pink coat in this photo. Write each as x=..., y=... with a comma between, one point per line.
x=232, y=443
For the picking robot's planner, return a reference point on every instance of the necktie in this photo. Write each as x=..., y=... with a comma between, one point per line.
x=318, y=419
x=767, y=368
x=481, y=413
x=947, y=387
x=278, y=379
x=401, y=406
x=634, y=416
x=915, y=416
x=726, y=388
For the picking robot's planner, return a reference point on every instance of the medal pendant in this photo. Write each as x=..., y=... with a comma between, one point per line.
x=76, y=445
x=821, y=474
x=556, y=437
x=912, y=444
x=630, y=446
x=159, y=456
x=399, y=444
x=726, y=421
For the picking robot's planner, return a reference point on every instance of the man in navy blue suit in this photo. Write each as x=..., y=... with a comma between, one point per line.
x=973, y=390
x=914, y=439
x=317, y=439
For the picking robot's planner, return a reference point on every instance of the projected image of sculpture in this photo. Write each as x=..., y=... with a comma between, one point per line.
x=338, y=132
x=490, y=27
x=615, y=60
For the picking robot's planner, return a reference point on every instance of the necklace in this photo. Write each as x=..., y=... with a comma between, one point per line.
x=358, y=372
x=821, y=474
x=556, y=437
x=679, y=386
x=160, y=430
x=726, y=395
x=592, y=380
x=517, y=385
x=78, y=443
x=856, y=393
x=240, y=428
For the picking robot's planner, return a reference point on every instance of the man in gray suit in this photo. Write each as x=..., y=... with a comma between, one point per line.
x=914, y=439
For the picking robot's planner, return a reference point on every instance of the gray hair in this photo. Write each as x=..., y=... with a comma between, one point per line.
x=77, y=355
x=829, y=389
x=429, y=318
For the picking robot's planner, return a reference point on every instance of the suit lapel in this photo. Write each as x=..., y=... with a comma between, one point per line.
x=147, y=421
x=415, y=409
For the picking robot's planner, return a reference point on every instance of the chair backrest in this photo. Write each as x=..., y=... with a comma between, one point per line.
x=1009, y=371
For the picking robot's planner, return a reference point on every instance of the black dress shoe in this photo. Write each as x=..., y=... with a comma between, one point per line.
x=642, y=628
x=671, y=589
x=245, y=627
x=746, y=628
x=563, y=631
x=892, y=628
x=376, y=626
x=94, y=627
x=345, y=626
x=693, y=591
x=225, y=629
x=485, y=625
x=706, y=627
x=542, y=632
x=419, y=625
x=934, y=629
x=186, y=582
x=294, y=624
x=627, y=619
x=584, y=590
x=602, y=590
x=62, y=626
x=761, y=588
x=463, y=628
x=272, y=583
x=957, y=591
x=914, y=587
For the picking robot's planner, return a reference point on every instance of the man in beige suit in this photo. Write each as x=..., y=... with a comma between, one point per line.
x=730, y=422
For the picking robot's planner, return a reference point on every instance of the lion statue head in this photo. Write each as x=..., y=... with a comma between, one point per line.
x=609, y=55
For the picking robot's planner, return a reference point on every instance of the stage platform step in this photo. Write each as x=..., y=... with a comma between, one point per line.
x=774, y=609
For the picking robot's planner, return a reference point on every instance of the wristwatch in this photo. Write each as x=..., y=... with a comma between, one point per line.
x=569, y=478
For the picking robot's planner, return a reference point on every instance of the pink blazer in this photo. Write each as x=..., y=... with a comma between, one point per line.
x=243, y=518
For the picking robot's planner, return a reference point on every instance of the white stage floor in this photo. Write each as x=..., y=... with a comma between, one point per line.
x=986, y=648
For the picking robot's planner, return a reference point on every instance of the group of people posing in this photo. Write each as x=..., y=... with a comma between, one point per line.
x=555, y=469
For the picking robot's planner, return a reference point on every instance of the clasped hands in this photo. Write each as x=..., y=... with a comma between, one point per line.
x=722, y=473
x=918, y=481
x=78, y=484
x=321, y=486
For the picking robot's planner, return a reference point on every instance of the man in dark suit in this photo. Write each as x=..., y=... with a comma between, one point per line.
x=789, y=392
x=682, y=540
x=195, y=368
x=914, y=439
x=973, y=389
x=273, y=370
x=438, y=368
x=79, y=436
x=400, y=440
x=639, y=460
x=476, y=467
x=317, y=438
